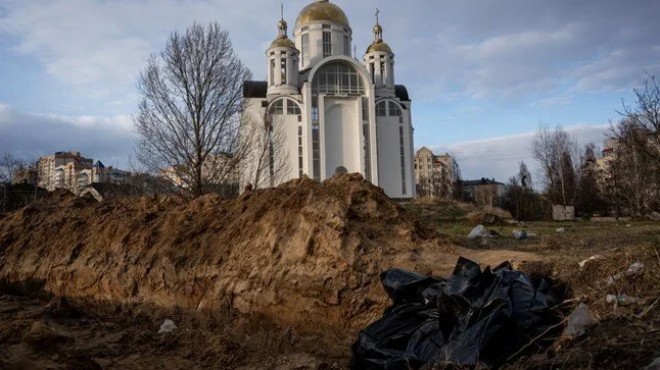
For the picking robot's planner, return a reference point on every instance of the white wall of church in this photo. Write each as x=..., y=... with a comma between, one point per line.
x=341, y=128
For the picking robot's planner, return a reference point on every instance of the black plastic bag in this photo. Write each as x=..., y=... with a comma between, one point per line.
x=472, y=317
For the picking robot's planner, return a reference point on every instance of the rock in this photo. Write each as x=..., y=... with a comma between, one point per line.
x=520, y=234
x=654, y=216
x=578, y=321
x=590, y=259
x=480, y=232
x=168, y=326
x=561, y=230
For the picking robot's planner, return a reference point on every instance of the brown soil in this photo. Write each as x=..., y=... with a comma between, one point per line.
x=278, y=279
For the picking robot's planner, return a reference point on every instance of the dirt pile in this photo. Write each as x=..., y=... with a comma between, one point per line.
x=303, y=254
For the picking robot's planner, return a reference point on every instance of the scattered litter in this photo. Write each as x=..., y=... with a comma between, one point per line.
x=473, y=317
x=561, y=230
x=531, y=235
x=168, y=326
x=590, y=259
x=481, y=232
x=578, y=321
x=635, y=269
x=520, y=234
x=621, y=299
x=629, y=225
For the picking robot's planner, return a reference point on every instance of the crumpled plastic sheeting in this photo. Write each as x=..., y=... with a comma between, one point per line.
x=472, y=317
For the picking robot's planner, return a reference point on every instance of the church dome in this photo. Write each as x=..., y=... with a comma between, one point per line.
x=321, y=10
x=282, y=43
x=379, y=46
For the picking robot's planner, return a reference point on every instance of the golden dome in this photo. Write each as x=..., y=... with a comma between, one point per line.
x=379, y=46
x=282, y=43
x=321, y=10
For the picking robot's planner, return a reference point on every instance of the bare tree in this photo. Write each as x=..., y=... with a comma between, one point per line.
x=558, y=155
x=267, y=160
x=188, y=119
x=9, y=166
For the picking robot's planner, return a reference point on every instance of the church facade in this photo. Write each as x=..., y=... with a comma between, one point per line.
x=322, y=111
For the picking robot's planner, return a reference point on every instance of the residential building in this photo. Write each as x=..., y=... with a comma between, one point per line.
x=59, y=170
x=484, y=192
x=73, y=172
x=336, y=114
x=436, y=176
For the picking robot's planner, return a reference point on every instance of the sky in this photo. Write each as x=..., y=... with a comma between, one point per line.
x=483, y=74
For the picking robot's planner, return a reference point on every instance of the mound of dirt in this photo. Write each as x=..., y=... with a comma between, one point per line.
x=305, y=254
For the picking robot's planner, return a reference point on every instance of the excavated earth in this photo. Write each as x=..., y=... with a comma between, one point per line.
x=278, y=278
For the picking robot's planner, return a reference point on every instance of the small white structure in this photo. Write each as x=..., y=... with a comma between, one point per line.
x=331, y=110
x=563, y=213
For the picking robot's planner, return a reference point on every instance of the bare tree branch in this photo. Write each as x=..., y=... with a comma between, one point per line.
x=188, y=119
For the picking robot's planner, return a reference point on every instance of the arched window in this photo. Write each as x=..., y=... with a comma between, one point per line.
x=277, y=108
x=337, y=78
x=381, y=109
x=285, y=107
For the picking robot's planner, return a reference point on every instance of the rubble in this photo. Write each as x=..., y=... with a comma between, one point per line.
x=579, y=320
x=167, y=326
x=590, y=259
x=481, y=232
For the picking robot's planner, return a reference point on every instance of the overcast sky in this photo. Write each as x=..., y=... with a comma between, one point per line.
x=483, y=74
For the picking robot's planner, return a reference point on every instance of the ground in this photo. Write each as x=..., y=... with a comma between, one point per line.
x=39, y=331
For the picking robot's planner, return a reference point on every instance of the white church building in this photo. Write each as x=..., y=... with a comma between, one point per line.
x=324, y=111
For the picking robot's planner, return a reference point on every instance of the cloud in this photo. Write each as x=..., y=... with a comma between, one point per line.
x=500, y=157
x=31, y=135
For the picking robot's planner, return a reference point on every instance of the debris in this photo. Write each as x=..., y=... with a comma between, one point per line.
x=480, y=232
x=472, y=317
x=168, y=326
x=578, y=321
x=590, y=259
x=654, y=216
x=561, y=230
x=635, y=269
x=520, y=234
x=621, y=299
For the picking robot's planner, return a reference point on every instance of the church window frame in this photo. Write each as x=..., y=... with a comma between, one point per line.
x=327, y=42
x=277, y=108
x=283, y=71
x=338, y=78
x=381, y=109
x=304, y=42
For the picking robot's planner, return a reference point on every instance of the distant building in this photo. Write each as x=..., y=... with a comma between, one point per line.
x=484, y=192
x=59, y=170
x=216, y=170
x=73, y=172
x=436, y=175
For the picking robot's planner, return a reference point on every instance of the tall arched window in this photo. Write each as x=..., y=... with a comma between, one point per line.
x=336, y=79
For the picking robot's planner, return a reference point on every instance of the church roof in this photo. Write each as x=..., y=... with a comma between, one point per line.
x=321, y=10
x=259, y=89
x=255, y=89
x=401, y=93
